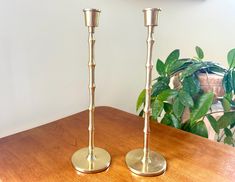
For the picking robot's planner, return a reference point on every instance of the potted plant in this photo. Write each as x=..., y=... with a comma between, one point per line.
x=193, y=93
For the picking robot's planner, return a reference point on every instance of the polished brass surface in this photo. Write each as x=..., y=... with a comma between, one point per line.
x=155, y=165
x=151, y=16
x=91, y=17
x=148, y=159
x=91, y=159
x=82, y=163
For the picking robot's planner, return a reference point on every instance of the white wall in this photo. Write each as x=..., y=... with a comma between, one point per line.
x=43, y=52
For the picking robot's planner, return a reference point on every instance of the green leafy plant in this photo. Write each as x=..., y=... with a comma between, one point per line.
x=170, y=104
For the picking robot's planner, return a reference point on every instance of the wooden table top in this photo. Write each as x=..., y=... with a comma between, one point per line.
x=43, y=153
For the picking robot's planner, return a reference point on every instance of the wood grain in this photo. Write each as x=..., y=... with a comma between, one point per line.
x=43, y=153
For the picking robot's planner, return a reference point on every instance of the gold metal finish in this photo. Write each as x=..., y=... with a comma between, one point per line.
x=82, y=163
x=91, y=159
x=91, y=17
x=143, y=161
x=151, y=16
x=155, y=166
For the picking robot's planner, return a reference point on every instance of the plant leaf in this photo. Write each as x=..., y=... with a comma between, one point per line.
x=232, y=125
x=200, y=53
x=215, y=68
x=174, y=55
x=163, y=79
x=233, y=81
x=226, y=104
x=160, y=85
x=167, y=107
x=228, y=96
x=185, y=99
x=178, y=108
x=186, y=126
x=229, y=140
x=191, y=70
x=167, y=94
x=200, y=129
x=178, y=65
x=141, y=113
x=226, y=119
x=166, y=120
x=191, y=85
x=201, y=106
x=157, y=107
x=160, y=67
x=213, y=122
x=227, y=82
x=227, y=132
x=231, y=58
x=175, y=121
x=170, y=120
x=140, y=99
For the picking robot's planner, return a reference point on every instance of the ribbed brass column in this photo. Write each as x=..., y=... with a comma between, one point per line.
x=91, y=159
x=145, y=162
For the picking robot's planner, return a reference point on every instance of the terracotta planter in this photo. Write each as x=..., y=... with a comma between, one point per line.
x=211, y=83
x=208, y=82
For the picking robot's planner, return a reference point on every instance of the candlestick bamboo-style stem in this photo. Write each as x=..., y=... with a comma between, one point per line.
x=145, y=162
x=91, y=159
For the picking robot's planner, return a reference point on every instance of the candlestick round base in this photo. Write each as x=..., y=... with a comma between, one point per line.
x=155, y=166
x=100, y=162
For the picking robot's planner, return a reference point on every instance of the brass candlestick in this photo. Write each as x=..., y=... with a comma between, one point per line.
x=145, y=162
x=91, y=159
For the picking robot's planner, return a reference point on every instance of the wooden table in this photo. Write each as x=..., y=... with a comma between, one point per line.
x=43, y=153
